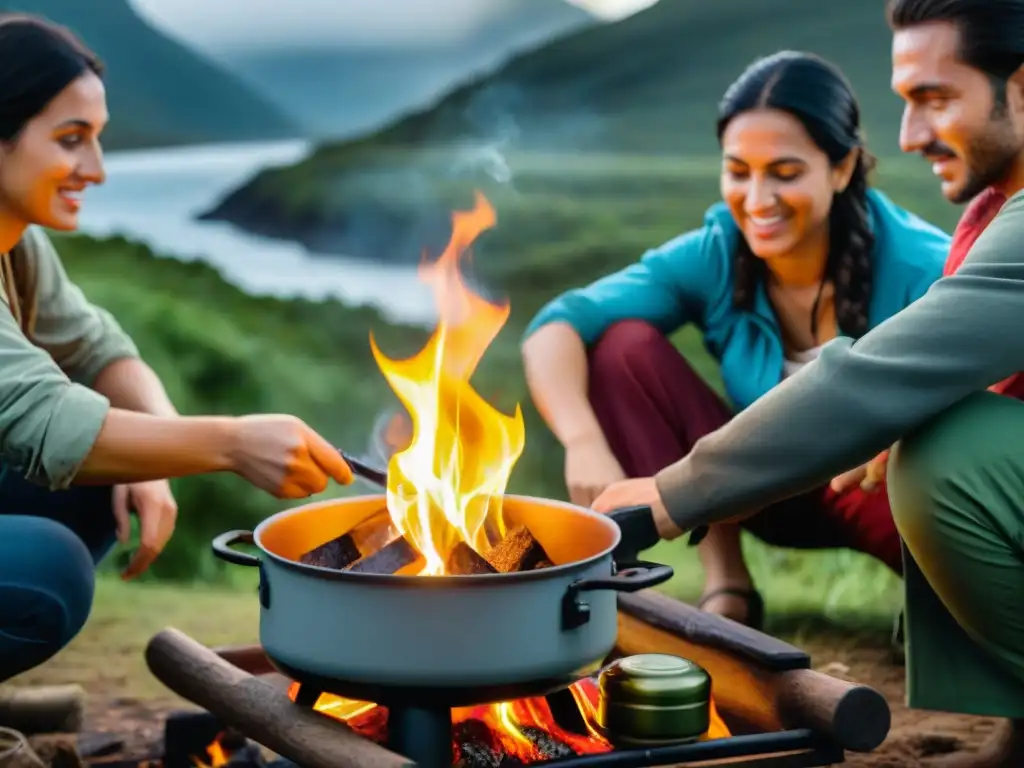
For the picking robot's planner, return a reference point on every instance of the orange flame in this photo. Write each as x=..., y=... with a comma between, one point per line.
x=447, y=485
x=217, y=754
x=508, y=722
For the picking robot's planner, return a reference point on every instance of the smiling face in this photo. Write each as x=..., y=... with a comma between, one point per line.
x=778, y=184
x=44, y=170
x=953, y=116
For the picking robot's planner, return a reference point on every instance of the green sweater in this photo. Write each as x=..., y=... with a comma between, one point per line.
x=861, y=396
x=53, y=344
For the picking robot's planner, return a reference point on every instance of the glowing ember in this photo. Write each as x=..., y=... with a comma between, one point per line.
x=447, y=485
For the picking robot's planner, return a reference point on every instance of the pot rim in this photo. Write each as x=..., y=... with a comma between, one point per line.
x=439, y=582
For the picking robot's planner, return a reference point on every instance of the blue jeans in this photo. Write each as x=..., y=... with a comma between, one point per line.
x=50, y=544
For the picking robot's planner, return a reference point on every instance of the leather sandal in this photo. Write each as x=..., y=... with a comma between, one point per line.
x=755, y=604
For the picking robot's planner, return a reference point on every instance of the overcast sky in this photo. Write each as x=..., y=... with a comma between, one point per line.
x=250, y=23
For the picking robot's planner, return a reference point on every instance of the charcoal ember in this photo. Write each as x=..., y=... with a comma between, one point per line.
x=366, y=538
x=550, y=747
x=476, y=746
x=518, y=551
x=463, y=560
x=389, y=559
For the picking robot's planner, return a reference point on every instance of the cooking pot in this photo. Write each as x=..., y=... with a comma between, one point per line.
x=446, y=640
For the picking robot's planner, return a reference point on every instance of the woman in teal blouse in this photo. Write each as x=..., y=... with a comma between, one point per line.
x=800, y=251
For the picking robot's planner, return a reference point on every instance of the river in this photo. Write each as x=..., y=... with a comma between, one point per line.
x=153, y=196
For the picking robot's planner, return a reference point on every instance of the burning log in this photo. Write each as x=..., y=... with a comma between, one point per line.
x=518, y=551
x=255, y=706
x=365, y=539
x=389, y=559
x=463, y=560
x=763, y=682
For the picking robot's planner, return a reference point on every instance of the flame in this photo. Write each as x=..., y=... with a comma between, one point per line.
x=446, y=486
x=217, y=754
x=508, y=723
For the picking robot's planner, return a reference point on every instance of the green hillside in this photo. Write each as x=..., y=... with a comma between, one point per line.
x=161, y=92
x=603, y=137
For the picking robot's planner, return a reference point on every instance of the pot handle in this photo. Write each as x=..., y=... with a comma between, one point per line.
x=629, y=577
x=222, y=548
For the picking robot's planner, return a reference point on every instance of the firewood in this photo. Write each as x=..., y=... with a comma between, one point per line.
x=463, y=560
x=366, y=538
x=256, y=707
x=43, y=709
x=518, y=551
x=389, y=559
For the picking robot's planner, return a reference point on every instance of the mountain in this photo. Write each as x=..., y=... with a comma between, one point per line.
x=338, y=91
x=607, y=129
x=161, y=92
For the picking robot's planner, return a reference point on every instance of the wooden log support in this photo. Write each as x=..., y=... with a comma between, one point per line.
x=762, y=682
x=43, y=709
x=258, y=709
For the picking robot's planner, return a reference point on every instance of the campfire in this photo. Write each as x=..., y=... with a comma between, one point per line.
x=444, y=513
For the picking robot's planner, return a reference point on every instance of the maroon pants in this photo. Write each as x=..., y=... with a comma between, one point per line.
x=653, y=407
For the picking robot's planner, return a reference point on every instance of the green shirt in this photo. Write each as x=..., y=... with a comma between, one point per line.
x=861, y=396
x=53, y=344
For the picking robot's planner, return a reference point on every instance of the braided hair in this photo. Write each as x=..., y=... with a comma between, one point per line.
x=817, y=94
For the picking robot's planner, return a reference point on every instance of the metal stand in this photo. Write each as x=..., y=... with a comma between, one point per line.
x=424, y=735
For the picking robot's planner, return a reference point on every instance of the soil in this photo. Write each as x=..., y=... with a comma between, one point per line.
x=915, y=735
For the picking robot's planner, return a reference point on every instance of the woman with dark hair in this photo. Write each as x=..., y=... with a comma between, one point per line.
x=87, y=432
x=800, y=251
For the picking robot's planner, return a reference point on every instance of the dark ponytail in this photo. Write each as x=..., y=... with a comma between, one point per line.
x=819, y=96
x=38, y=60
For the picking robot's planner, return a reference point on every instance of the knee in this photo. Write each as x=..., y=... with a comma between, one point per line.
x=46, y=590
x=928, y=467
x=624, y=346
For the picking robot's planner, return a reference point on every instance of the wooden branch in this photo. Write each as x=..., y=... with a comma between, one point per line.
x=249, y=658
x=699, y=626
x=855, y=716
x=258, y=709
x=43, y=709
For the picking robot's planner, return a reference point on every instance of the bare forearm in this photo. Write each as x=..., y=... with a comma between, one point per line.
x=130, y=384
x=555, y=360
x=136, y=447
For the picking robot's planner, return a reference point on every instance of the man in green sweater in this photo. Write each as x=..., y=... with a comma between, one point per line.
x=956, y=474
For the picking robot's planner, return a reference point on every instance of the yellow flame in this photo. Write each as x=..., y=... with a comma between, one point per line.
x=447, y=486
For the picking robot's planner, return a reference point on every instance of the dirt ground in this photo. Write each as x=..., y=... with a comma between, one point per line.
x=915, y=735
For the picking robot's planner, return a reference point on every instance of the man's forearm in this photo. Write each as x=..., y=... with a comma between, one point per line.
x=130, y=384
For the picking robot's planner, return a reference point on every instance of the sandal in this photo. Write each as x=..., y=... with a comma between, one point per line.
x=755, y=604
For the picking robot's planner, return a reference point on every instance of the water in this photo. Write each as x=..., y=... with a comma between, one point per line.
x=153, y=196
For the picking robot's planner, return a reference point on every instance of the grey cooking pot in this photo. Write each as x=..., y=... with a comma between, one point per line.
x=453, y=640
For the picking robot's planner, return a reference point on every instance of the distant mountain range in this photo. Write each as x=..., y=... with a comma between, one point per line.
x=160, y=91
x=340, y=91
x=646, y=85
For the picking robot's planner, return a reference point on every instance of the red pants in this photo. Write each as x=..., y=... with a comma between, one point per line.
x=653, y=407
